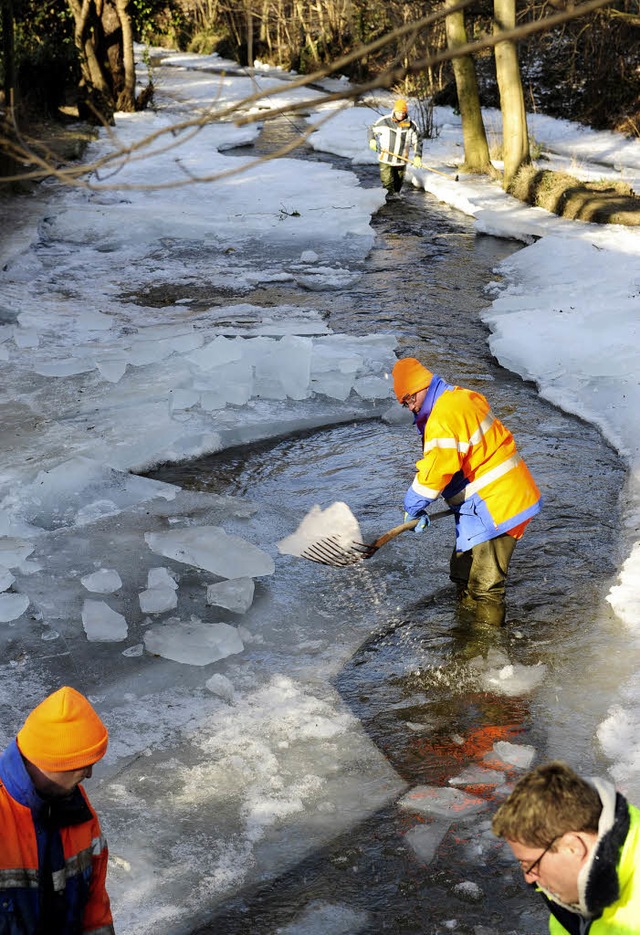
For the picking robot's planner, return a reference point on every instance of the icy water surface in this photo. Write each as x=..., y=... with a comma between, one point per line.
x=431, y=689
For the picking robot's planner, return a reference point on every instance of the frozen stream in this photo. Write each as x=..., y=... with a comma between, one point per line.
x=429, y=690
x=296, y=764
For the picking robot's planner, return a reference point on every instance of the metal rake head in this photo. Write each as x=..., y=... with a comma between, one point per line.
x=330, y=551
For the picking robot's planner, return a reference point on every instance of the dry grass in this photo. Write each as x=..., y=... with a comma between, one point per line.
x=602, y=202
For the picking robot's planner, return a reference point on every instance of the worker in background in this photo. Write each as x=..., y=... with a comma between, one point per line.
x=392, y=137
x=469, y=458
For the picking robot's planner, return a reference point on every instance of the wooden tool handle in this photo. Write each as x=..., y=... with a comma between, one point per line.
x=405, y=527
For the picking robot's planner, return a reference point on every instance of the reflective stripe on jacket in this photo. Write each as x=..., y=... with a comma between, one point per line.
x=610, y=890
x=53, y=859
x=470, y=459
x=395, y=139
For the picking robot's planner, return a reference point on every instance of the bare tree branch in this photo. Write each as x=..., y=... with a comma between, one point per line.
x=181, y=131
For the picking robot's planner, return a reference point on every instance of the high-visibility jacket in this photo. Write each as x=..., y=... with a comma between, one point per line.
x=471, y=460
x=609, y=887
x=395, y=137
x=53, y=859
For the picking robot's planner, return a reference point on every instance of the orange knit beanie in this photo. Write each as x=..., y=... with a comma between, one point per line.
x=63, y=733
x=409, y=376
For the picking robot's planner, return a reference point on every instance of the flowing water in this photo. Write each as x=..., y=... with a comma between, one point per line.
x=412, y=681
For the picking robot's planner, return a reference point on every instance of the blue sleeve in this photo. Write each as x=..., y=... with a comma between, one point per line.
x=414, y=504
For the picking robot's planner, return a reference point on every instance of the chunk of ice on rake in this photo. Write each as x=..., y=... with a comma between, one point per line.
x=331, y=536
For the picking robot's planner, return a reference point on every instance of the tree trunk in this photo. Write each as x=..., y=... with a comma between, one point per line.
x=476, y=149
x=104, y=39
x=515, y=138
x=127, y=97
x=9, y=61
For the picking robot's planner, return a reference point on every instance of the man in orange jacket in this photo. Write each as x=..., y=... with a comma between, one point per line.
x=470, y=459
x=53, y=857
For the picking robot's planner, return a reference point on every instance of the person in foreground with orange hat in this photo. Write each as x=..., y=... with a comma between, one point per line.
x=391, y=137
x=471, y=460
x=53, y=857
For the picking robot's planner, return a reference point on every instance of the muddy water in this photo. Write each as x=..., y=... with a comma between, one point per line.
x=412, y=681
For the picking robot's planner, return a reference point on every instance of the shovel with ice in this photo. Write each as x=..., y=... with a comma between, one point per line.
x=333, y=537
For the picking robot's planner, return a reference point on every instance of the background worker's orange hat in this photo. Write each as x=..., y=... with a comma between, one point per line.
x=400, y=106
x=409, y=376
x=63, y=733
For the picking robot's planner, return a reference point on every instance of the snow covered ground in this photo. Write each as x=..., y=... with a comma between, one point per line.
x=118, y=351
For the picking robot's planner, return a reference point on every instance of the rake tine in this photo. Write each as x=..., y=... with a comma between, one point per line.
x=366, y=551
x=329, y=552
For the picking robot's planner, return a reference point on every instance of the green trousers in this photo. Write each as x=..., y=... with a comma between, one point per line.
x=392, y=177
x=480, y=575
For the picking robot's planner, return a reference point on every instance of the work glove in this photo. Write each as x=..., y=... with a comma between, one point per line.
x=417, y=162
x=374, y=145
x=423, y=521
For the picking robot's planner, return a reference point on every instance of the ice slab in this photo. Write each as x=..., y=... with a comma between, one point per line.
x=477, y=776
x=69, y=367
x=102, y=624
x=13, y=551
x=519, y=755
x=12, y=606
x=157, y=600
x=103, y=581
x=211, y=548
x=194, y=643
x=6, y=579
x=435, y=800
x=424, y=840
x=321, y=918
x=336, y=521
x=161, y=578
x=220, y=685
x=236, y=595
x=80, y=491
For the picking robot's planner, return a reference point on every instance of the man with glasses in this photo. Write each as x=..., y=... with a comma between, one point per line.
x=471, y=460
x=578, y=844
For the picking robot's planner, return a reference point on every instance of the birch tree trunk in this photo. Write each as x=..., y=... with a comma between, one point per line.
x=476, y=149
x=515, y=138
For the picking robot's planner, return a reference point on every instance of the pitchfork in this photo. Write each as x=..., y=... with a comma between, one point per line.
x=330, y=551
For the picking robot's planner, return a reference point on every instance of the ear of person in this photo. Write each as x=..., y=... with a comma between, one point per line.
x=576, y=844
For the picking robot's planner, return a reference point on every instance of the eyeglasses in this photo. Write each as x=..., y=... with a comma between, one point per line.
x=409, y=400
x=533, y=868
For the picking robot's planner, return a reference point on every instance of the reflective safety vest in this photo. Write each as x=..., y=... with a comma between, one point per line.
x=395, y=139
x=622, y=915
x=470, y=458
x=53, y=859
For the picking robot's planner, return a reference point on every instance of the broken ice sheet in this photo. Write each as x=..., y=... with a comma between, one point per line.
x=102, y=624
x=336, y=521
x=103, y=581
x=236, y=595
x=12, y=606
x=475, y=775
x=161, y=578
x=211, y=548
x=6, y=579
x=14, y=551
x=434, y=800
x=158, y=599
x=424, y=840
x=194, y=643
x=518, y=755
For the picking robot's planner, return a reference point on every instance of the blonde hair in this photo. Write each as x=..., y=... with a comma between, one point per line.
x=547, y=803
